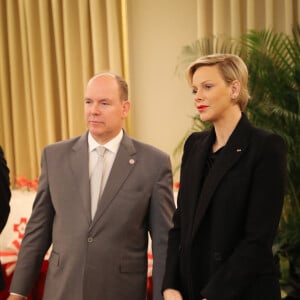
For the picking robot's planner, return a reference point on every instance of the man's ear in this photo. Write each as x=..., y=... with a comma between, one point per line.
x=126, y=108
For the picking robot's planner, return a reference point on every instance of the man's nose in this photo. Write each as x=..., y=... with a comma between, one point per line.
x=95, y=109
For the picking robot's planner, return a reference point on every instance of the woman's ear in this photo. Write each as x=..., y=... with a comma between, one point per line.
x=235, y=89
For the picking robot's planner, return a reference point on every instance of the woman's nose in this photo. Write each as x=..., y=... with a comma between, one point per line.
x=198, y=97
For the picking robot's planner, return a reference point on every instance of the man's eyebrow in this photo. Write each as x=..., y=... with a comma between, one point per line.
x=101, y=100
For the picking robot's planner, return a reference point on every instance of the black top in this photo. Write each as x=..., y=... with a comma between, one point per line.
x=211, y=158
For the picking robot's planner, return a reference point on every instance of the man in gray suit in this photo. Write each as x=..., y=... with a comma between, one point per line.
x=101, y=255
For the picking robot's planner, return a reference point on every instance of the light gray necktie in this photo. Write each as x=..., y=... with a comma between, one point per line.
x=97, y=179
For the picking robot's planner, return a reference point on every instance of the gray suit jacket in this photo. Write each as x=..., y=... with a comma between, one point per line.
x=104, y=258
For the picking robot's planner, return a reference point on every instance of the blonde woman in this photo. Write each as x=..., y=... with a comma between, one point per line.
x=231, y=195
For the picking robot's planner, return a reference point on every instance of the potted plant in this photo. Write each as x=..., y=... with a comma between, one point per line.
x=273, y=60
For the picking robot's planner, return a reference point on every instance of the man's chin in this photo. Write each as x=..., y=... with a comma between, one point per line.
x=95, y=132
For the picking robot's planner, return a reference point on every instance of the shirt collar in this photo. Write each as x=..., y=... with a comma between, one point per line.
x=112, y=145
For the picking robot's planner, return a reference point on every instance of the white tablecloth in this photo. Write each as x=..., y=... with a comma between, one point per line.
x=11, y=236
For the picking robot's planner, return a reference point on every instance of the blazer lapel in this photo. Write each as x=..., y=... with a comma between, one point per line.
x=122, y=167
x=79, y=161
x=229, y=156
x=192, y=173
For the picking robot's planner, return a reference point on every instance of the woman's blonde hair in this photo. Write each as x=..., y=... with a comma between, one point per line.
x=231, y=67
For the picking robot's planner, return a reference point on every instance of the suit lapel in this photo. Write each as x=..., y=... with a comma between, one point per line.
x=230, y=155
x=79, y=161
x=122, y=167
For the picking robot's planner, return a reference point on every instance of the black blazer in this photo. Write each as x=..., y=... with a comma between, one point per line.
x=4, y=200
x=221, y=244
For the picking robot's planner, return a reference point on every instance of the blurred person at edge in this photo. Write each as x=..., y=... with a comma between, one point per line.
x=102, y=256
x=5, y=195
x=231, y=195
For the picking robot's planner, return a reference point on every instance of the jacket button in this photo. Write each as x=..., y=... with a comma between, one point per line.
x=90, y=239
x=218, y=256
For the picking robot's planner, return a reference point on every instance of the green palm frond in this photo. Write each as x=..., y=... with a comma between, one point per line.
x=205, y=46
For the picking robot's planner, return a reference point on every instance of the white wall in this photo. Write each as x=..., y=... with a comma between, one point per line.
x=161, y=101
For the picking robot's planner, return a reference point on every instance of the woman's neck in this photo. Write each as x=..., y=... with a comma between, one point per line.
x=224, y=129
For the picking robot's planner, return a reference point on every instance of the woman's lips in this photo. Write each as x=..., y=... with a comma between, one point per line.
x=201, y=108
